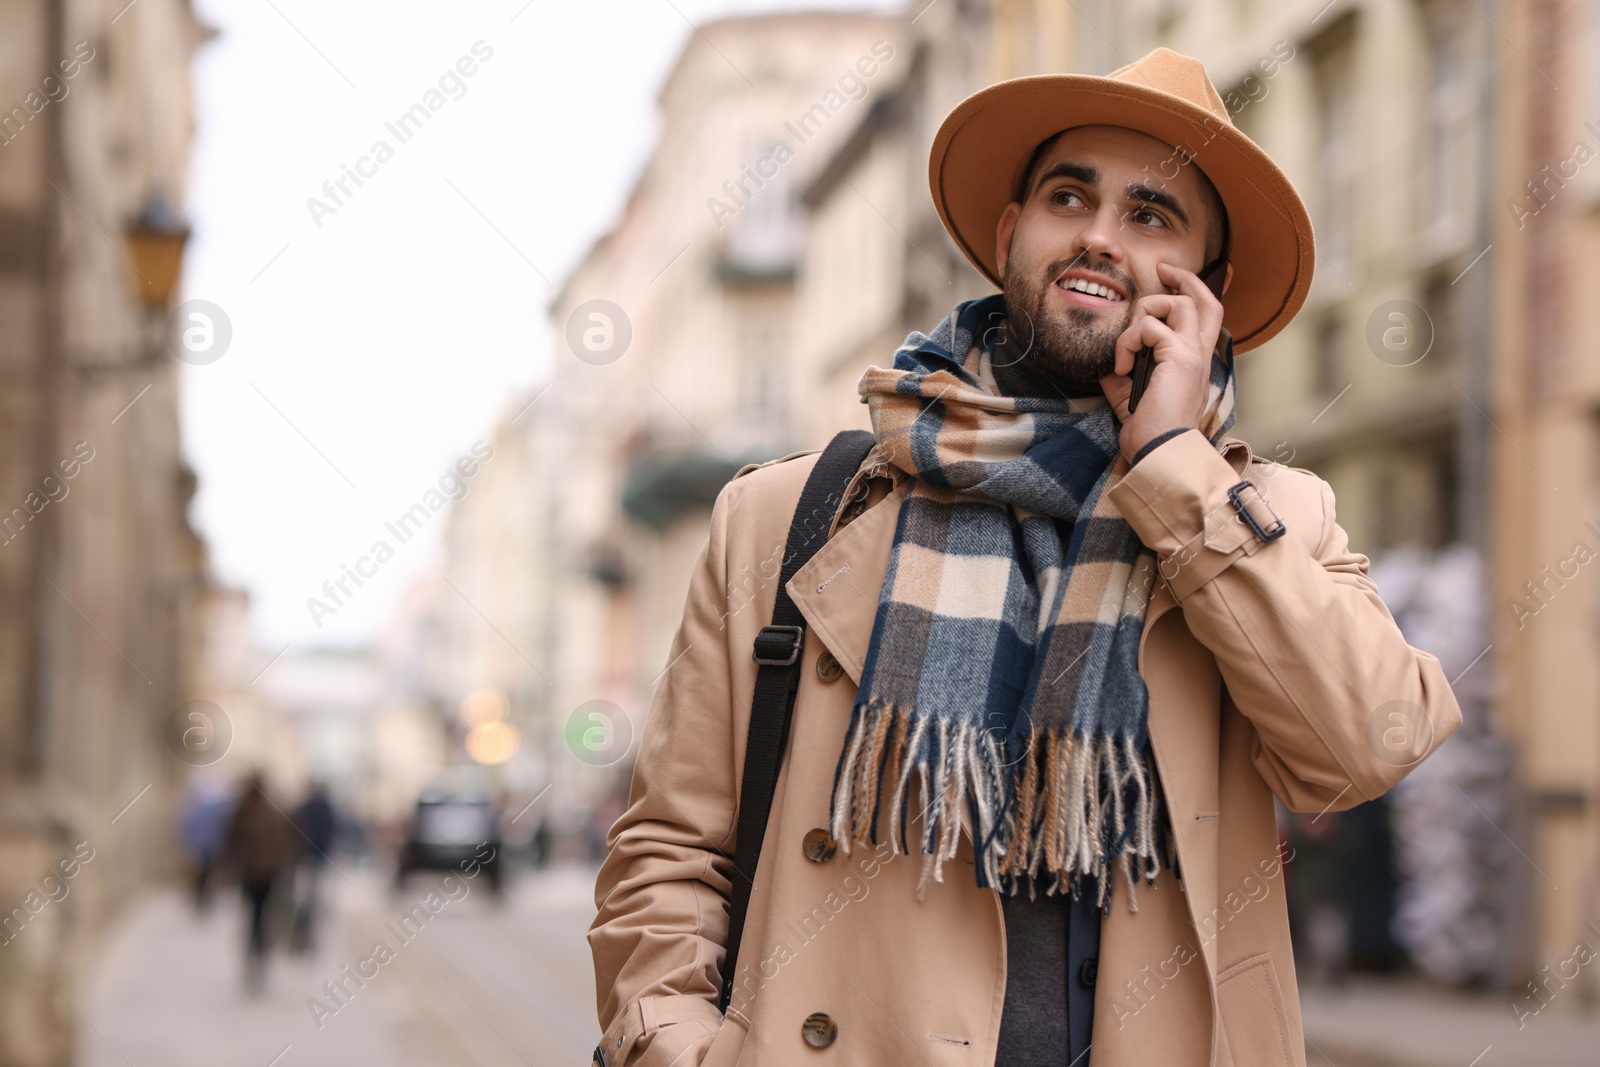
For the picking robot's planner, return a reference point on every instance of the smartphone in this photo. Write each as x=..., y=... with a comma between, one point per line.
x=1145, y=362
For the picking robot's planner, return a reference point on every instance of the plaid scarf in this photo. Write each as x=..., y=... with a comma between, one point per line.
x=1003, y=665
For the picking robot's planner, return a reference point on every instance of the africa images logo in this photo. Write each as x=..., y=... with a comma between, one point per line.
x=599, y=733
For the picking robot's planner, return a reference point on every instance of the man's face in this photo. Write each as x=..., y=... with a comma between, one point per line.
x=1104, y=208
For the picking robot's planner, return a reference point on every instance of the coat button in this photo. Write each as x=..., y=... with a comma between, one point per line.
x=818, y=845
x=1089, y=971
x=819, y=1029
x=828, y=668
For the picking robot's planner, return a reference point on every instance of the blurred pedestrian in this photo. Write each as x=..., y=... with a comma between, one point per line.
x=207, y=806
x=258, y=849
x=542, y=844
x=318, y=825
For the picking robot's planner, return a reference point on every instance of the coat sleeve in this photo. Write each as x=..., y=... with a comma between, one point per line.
x=662, y=892
x=1342, y=706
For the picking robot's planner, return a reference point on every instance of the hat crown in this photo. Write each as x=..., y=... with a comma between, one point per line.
x=987, y=138
x=1178, y=75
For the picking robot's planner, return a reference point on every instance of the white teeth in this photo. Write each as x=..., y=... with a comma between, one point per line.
x=1092, y=288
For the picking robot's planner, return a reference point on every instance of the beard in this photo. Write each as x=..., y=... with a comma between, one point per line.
x=1063, y=343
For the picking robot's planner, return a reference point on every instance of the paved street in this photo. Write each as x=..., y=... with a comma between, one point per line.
x=1378, y=1023
x=480, y=985
x=476, y=984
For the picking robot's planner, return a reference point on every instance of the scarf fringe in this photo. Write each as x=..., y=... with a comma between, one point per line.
x=1076, y=805
x=1069, y=808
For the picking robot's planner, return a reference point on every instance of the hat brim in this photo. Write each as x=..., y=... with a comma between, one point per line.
x=983, y=144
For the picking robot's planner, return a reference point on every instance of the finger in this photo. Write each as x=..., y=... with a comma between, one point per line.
x=1188, y=283
x=1161, y=337
x=1177, y=309
x=1144, y=330
x=1185, y=321
x=1128, y=344
x=1118, y=389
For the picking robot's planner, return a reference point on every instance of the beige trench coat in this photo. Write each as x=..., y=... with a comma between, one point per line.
x=1273, y=669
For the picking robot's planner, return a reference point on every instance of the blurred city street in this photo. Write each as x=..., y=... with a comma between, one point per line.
x=486, y=985
x=373, y=378
x=482, y=984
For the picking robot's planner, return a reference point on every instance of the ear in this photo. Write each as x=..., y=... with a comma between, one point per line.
x=1227, y=278
x=1002, y=236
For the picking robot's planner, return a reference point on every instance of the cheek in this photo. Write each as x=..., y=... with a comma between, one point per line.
x=1142, y=281
x=1039, y=239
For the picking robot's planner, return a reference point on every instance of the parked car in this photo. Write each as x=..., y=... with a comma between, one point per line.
x=452, y=832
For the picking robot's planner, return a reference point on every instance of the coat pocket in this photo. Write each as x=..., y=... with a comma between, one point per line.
x=1254, y=1019
x=726, y=1047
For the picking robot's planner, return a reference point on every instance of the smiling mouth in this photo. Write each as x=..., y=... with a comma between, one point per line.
x=1084, y=293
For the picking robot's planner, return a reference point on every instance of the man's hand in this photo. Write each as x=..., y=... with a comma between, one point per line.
x=1181, y=379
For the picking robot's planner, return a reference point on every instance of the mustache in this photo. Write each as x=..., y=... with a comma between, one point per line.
x=1061, y=266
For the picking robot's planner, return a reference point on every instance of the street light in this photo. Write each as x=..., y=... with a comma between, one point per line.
x=493, y=742
x=484, y=705
x=156, y=238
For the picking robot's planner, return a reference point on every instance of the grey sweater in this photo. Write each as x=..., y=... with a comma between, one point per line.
x=1052, y=952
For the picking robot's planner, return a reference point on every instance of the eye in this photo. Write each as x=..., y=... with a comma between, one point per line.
x=1055, y=197
x=1150, y=213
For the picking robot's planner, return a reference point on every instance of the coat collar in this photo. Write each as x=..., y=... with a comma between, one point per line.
x=837, y=590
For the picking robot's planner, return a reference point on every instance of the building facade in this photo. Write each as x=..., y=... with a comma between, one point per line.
x=1546, y=441
x=99, y=570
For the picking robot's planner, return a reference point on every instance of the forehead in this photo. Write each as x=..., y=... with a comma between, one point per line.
x=1124, y=155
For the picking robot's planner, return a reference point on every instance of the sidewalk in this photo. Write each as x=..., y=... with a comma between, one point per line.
x=480, y=985
x=1404, y=1023
x=513, y=985
x=169, y=992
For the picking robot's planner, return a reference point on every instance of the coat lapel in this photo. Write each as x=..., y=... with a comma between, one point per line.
x=838, y=590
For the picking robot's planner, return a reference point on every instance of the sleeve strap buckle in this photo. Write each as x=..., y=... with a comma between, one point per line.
x=1266, y=533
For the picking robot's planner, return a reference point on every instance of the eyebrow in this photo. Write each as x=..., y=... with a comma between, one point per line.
x=1089, y=174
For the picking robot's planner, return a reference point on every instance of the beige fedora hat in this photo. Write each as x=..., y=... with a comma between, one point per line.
x=983, y=144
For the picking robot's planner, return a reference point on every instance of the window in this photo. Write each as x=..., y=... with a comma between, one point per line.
x=1338, y=162
x=1415, y=496
x=764, y=234
x=1440, y=301
x=1328, y=376
x=1440, y=525
x=762, y=355
x=1450, y=128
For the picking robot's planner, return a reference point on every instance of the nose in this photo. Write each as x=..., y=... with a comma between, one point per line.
x=1100, y=238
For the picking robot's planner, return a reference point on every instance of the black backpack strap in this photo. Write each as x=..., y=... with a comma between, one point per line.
x=777, y=650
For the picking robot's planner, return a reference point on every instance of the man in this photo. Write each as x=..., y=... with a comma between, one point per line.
x=258, y=849
x=317, y=824
x=1038, y=817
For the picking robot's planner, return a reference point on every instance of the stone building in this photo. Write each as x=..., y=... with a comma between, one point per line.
x=100, y=572
x=1545, y=462
x=875, y=261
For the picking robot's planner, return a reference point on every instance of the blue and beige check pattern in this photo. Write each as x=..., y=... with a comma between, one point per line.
x=1003, y=665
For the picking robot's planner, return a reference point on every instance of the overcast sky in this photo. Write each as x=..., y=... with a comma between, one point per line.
x=375, y=338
